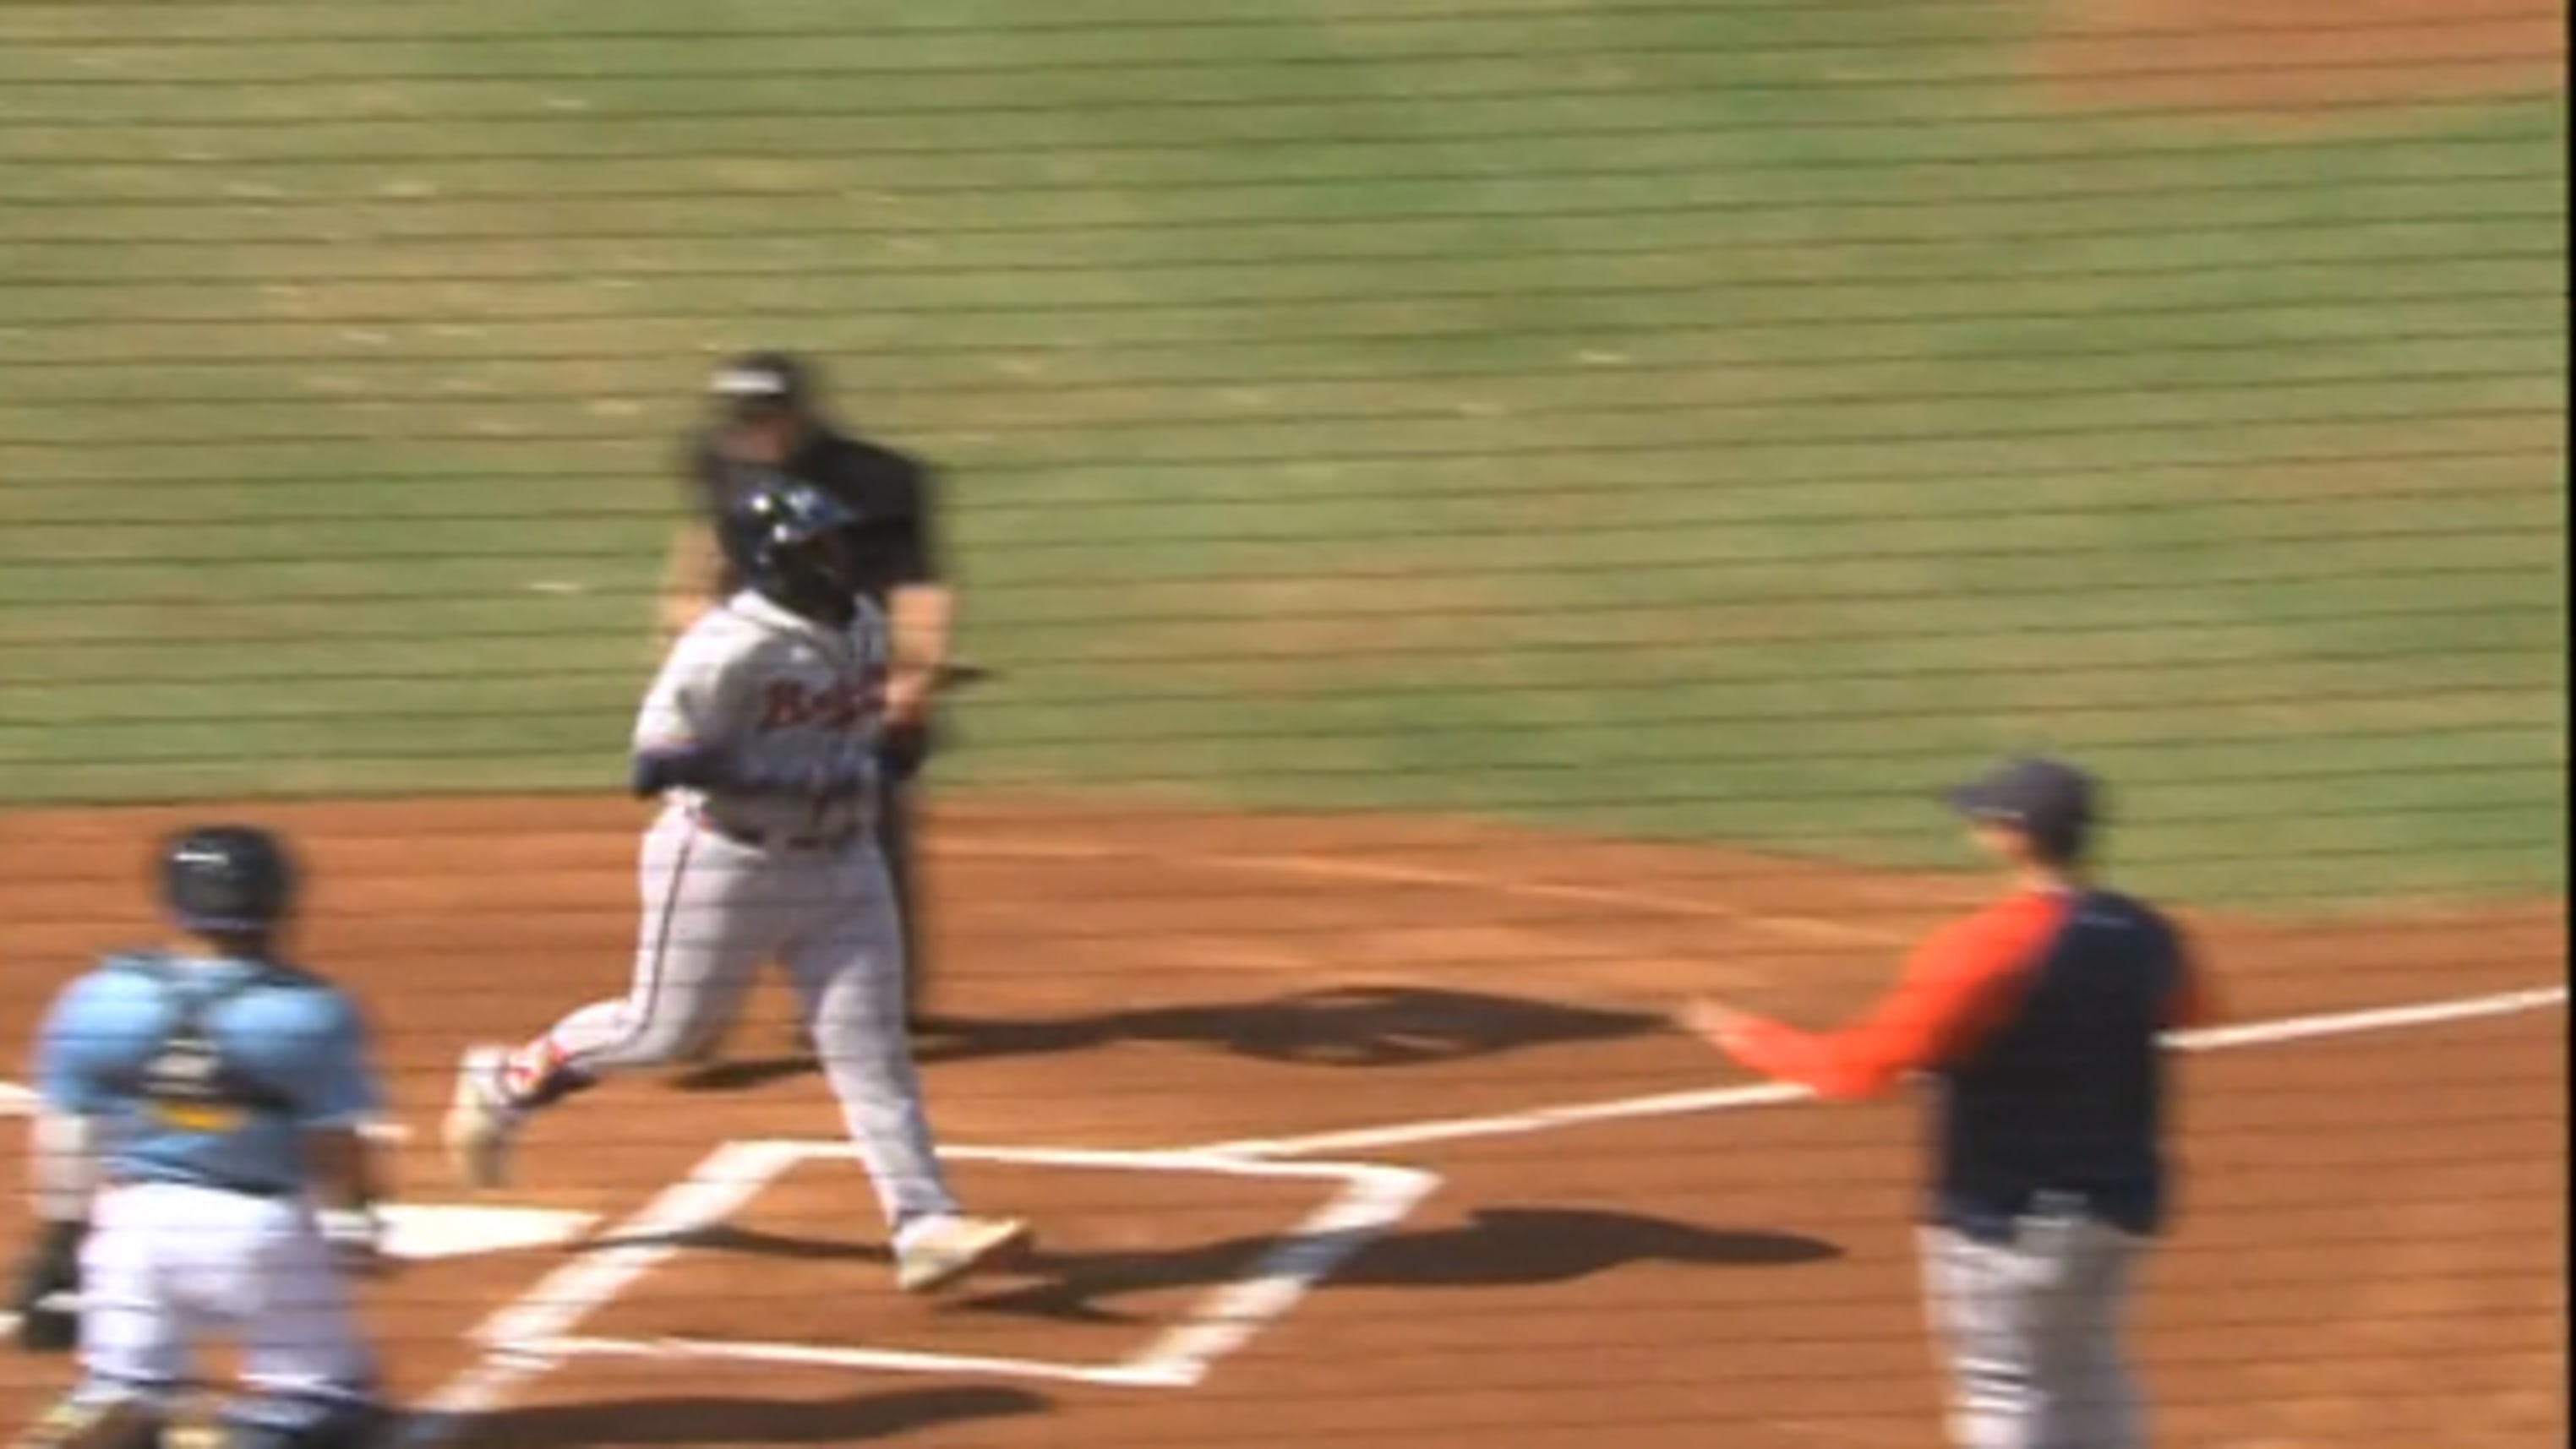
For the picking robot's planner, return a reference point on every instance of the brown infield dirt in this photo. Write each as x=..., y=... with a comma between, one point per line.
x=2299, y=58
x=2374, y=1252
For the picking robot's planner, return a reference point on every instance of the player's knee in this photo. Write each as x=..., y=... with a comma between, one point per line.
x=337, y=1426
x=667, y=1039
x=76, y=1423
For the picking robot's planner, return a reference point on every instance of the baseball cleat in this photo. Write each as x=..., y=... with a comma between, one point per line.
x=479, y=1125
x=941, y=1255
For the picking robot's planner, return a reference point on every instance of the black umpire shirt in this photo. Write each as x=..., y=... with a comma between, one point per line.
x=889, y=490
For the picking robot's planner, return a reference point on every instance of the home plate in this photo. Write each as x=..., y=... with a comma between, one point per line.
x=423, y=1231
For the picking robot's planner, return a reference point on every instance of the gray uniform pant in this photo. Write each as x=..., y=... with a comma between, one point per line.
x=715, y=910
x=2031, y=1330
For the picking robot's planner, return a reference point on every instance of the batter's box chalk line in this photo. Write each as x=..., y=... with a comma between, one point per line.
x=1371, y=1199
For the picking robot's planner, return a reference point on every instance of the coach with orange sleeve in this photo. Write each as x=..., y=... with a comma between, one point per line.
x=2039, y=1019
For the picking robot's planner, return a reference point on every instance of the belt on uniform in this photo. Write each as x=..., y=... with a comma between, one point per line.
x=775, y=839
x=264, y=1191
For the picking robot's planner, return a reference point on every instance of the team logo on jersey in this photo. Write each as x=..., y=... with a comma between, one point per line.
x=787, y=704
x=185, y=1086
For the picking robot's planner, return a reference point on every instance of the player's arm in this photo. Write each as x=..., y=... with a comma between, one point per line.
x=62, y=1169
x=348, y=1188
x=919, y=618
x=1952, y=992
x=921, y=610
x=704, y=767
x=692, y=577
x=62, y=1178
x=693, y=565
x=338, y=1103
x=337, y=1094
x=70, y=1098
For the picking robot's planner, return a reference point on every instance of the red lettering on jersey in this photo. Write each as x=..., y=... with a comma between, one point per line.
x=846, y=705
x=784, y=704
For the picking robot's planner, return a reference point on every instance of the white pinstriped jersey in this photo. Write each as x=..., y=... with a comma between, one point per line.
x=772, y=689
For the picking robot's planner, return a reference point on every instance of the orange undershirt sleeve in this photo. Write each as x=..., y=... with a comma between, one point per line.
x=1955, y=988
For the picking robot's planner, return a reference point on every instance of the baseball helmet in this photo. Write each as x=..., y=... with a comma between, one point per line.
x=792, y=542
x=226, y=879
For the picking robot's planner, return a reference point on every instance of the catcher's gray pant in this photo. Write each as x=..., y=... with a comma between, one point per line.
x=715, y=909
x=2031, y=1330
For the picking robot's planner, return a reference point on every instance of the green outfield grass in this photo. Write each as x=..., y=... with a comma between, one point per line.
x=1723, y=420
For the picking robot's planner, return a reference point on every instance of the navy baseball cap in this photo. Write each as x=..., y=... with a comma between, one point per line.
x=2051, y=799
x=763, y=382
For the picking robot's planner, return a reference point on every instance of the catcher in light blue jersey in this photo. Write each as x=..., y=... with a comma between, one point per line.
x=200, y=1167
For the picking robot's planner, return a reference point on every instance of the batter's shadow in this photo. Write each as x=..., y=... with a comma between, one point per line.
x=1342, y=1026
x=1496, y=1247
x=713, y=1419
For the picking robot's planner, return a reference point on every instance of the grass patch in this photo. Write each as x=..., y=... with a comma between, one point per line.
x=1706, y=421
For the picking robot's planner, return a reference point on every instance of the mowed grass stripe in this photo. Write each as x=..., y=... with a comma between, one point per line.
x=1704, y=421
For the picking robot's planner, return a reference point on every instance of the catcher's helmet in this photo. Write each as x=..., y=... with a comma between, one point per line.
x=792, y=542
x=226, y=879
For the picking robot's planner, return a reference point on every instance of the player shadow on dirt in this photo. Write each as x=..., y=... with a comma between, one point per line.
x=718, y=1419
x=1497, y=1247
x=1346, y=1026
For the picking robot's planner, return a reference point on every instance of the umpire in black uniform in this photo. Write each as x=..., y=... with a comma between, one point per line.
x=768, y=417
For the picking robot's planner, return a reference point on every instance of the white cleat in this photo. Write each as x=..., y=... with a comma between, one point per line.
x=942, y=1254
x=479, y=1125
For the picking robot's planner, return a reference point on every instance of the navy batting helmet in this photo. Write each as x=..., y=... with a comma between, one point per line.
x=226, y=879
x=791, y=541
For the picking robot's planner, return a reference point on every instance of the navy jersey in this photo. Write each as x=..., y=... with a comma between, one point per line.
x=2066, y=1097
x=888, y=489
x=2039, y=1017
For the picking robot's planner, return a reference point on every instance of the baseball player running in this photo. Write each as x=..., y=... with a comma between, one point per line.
x=769, y=416
x=198, y=1165
x=2040, y=1018
x=760, y=736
